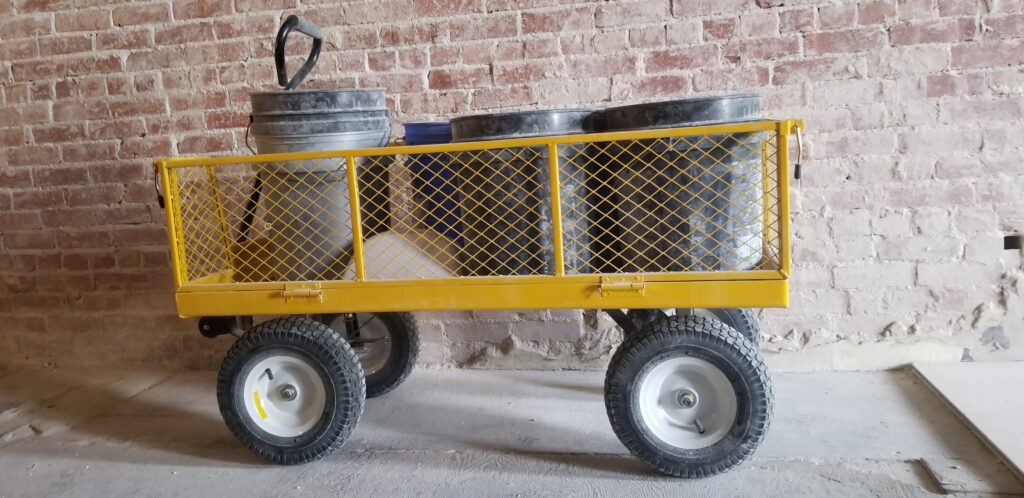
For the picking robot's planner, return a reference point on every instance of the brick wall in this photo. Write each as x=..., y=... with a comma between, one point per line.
x=915, y=111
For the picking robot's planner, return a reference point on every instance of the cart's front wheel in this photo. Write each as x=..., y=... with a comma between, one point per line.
x=688, y=395
x=387, y=345
x=291, y=390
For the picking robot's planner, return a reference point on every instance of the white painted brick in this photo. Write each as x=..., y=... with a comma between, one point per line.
x=958, y=274
x=932, y=221
x=851, y=224
x=892, y=302
x=477, y=332
x=883, y=274
x=984, y=248
x=892, y=223
x=921, y=248
x=975, y=219
x=548, y=330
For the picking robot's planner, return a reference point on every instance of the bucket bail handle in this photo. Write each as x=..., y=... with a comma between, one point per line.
x=302, y=26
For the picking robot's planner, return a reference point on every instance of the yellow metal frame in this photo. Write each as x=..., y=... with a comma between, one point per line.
x=217, y=295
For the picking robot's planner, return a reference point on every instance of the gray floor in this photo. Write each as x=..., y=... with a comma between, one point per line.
x=474, y=433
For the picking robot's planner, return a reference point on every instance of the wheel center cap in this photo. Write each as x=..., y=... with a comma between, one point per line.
x=288, y=392
x=686, y=398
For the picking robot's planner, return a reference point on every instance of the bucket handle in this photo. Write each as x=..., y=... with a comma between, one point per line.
x=302, y=26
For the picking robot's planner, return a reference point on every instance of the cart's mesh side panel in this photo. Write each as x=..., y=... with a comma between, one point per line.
x=676, y=204
x=700, y=203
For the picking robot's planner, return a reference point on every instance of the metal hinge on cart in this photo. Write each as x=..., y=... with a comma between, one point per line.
x=307, y=292
x=622, y=285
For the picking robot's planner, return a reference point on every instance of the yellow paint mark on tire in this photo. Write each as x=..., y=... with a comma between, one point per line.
x=259, y=405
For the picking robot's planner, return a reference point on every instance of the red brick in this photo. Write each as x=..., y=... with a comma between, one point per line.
x=190, y=9
x=58, y=133
x=123, y=215
x=660, y=86
x=38, y=199
x=18, y=284
x=610, y=65
x=137, y=107
x=183, y=33
x=382, y=61
x=444, y=8
x=916, y=9
x=496, y=26
x=463, y=77
x=412, y=58
x=88, y=152
x=851, y=40
x=489, y=98
x=59, y=45
x=540, y=48
x=29, y=240
x=942, y=31
x=942, y=85
x=959, y=7
x=14, y=178
x=10, y=137
x=119, y=128
x=796, y=20
x=43, y=5
x=62, y=218
x=410, y=35
x=619, y=14
x=244, y=27
x=836, y=16
x=141, y=235
x=124, y=39
x=94, y=195
x=202, y=144
x=56, y=177
x=89, y=20
x=572, y=19
x=226, y=119
x=524, y=72
x=145, y=147
x=988, y=54
x=758, y=25
x=94, y=64
x=761, y=49
x=84, y=239
x=19, y=220
x=26, y=26
x=38, y=69
x=63, y=282
x=117, y=172
x=11, y=50
x=31, y=155
x=1011, y=26
x=719, y=29
x=683, y=58
x=876, y=12
x=24, y=114
x=394, y=82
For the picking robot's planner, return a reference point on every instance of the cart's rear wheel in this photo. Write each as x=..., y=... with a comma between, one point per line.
x=291, y=390
x=742, y=319
x=688, y=395
x=387, y=345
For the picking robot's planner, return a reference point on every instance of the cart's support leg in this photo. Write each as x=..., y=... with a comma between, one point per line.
x=623, y=321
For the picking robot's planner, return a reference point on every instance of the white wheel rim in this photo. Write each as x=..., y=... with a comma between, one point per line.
x=373, y=347
x=669, y=386
x=289, y=400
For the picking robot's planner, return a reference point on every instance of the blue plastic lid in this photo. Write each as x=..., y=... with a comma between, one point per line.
x=428, y=132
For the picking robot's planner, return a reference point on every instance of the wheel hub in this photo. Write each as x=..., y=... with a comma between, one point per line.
x=284, y=395
x=288, y=392
x=687, y=402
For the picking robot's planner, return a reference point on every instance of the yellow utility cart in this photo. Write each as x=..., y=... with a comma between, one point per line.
x=346, y=243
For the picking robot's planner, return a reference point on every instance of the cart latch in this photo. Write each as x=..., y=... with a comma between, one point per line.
x=611, y=286
x=305, y=292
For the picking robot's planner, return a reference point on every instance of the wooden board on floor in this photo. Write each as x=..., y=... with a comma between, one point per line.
x=987, y=396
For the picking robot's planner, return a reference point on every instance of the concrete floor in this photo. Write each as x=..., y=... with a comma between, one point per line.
x=474, y=433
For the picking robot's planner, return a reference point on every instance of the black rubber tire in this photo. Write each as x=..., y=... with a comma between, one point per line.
x=328, y=354
x=711, y=341
x=742, y=319
x=405, y=348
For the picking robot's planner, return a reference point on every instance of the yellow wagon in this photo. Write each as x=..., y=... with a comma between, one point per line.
x=345, y=244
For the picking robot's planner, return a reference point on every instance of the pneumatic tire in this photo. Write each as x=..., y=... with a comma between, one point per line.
x=742, y=319
x=689, y=395
x=291, y=390
x=387, y=345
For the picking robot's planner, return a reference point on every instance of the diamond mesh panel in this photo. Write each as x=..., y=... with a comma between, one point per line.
x=675, y=204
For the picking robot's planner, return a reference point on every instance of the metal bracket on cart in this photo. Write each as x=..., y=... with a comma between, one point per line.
x=214, y=326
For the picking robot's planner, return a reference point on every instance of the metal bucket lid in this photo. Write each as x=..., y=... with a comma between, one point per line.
x=282, y=117
x=320, y=127
x=686, y=112
x=522, y=124
x=318, y=100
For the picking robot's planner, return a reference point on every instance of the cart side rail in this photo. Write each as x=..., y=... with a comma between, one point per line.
x=707, y=203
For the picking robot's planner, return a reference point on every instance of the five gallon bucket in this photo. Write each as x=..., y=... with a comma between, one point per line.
x=506, y=195
x=308, y=201
x=689, y=203
x=434, y=179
